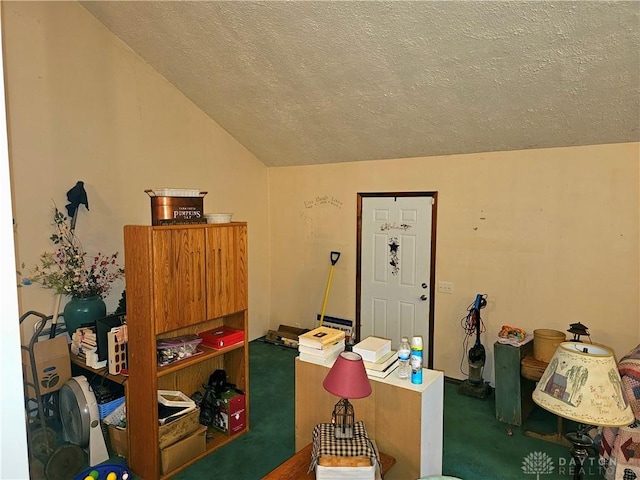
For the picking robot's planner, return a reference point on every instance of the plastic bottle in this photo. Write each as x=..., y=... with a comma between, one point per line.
x=404, y=359
x=416, y=360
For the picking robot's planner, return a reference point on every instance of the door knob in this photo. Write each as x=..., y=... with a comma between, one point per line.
x=423, y=297
x=424, y=285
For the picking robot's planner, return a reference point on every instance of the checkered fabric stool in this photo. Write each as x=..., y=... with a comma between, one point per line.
x=343, y=452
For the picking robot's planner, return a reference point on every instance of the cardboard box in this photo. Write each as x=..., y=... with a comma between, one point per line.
x=168, y=434
x=181, y=452
x=53, y=365
x=222, y=337
x=230, y=412
x=176, y=430
x=118, y=441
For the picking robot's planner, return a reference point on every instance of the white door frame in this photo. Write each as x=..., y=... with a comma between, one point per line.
x=432, y=273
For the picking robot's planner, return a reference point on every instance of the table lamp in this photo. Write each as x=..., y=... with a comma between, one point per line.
x=582, y=383
x=346, y=379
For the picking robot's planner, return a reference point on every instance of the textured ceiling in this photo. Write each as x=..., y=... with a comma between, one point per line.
x=306, y=82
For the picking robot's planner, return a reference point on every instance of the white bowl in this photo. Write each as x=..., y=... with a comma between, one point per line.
x=218, y=217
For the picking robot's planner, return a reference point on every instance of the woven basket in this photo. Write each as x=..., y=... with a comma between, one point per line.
x=545, y=343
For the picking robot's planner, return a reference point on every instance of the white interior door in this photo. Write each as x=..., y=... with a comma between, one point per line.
x=395, y=268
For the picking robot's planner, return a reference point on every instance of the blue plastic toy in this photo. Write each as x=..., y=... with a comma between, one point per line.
x=105, y=471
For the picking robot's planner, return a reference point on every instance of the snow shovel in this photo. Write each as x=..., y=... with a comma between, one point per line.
x=334, y=259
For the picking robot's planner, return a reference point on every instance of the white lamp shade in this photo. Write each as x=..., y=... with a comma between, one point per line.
x=582, y=383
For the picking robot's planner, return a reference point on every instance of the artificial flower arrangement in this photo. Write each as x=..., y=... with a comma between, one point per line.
x=69, y=270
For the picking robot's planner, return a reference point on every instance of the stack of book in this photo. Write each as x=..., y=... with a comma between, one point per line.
x=322, y=345
x=378, y=357
x=84, y=345
x=83, y=340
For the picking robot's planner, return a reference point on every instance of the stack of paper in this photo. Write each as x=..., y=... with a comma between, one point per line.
x=322, y=345
x=379, y=360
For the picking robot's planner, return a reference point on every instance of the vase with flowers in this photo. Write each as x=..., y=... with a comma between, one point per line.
x=69, y=271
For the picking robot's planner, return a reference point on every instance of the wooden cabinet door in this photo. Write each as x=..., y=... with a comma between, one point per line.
x=179, y=280
x=226, y=270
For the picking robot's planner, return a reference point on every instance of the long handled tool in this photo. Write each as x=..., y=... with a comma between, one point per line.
x=334, y=259
x=287, y=336
x=76, y=196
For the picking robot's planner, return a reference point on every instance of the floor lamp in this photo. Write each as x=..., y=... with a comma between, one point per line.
x=582, y=383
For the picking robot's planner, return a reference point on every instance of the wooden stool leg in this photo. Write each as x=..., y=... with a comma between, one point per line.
x=555, y=437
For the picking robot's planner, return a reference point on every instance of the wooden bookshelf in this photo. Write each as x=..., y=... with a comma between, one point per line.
x=181, y=279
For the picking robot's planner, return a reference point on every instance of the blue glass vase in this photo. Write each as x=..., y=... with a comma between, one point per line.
x=83, y=310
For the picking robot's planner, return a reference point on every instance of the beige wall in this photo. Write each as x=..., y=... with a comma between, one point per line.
x=551, y=236
x=83, y=106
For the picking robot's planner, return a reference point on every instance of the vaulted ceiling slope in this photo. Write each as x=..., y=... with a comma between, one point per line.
x=312, y=82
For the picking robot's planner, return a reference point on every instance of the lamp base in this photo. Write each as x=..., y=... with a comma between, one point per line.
x=343, y=418
x=580, y=442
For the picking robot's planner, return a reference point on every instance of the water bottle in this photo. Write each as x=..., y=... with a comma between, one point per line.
x=404, y=358
x=416, y=360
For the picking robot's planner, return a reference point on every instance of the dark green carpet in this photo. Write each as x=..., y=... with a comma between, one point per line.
x=271, y=438
x=479, y=447
x=476, y=445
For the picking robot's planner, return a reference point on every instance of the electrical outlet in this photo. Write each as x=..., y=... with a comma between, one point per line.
x=445, y=287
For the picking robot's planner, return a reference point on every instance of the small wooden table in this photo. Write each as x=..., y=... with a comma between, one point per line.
x=533, y=369
x=296, y=467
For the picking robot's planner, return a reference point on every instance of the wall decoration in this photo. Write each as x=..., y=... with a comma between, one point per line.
x=394, y=261
x=316, y=216
x=323, y=200
x=394, y=226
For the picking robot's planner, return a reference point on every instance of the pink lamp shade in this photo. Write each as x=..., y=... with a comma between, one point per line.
x=348, y=377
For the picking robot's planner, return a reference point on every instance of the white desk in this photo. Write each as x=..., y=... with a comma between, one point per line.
x=404, y=419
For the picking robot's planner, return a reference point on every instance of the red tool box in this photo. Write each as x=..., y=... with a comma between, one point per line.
x=222, y=337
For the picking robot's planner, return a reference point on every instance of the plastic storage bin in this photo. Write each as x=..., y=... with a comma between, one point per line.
x=105, y=409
